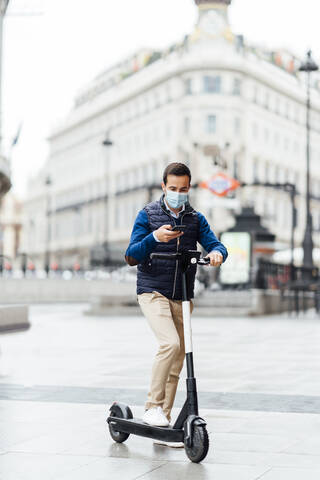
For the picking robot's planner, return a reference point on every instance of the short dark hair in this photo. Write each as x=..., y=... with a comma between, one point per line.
x=178, y=169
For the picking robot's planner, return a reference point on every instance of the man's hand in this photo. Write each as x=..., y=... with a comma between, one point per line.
x=164, y=233
x=216, y=258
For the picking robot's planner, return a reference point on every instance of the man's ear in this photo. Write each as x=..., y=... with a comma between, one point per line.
x=163, y=186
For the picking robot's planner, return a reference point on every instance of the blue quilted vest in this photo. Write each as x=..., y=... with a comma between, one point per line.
x=164, y=276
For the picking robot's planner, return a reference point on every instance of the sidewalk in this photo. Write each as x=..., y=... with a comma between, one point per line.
x=259, y=391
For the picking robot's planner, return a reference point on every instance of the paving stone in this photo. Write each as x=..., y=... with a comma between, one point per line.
x=110, y=468
x=31, y=466
x=190, y=471
x=283, y=473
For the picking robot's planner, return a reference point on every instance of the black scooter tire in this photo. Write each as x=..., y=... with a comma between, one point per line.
x=119, y=437
x=200, y=444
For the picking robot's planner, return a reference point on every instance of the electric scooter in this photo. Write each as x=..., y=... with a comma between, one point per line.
x=189, y=428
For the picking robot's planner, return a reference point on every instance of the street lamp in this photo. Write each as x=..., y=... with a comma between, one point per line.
x=106, y=143
x=308, y=66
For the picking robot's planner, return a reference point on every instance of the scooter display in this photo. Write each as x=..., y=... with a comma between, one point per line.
x=189, y=427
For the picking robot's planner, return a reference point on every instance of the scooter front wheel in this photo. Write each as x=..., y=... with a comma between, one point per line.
x=200, y=444
x=117, y=436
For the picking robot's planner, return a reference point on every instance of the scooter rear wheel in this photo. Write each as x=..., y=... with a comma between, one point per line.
x=200, y=444
x=119, y=437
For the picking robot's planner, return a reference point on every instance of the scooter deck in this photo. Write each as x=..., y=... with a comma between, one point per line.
x=137, y=427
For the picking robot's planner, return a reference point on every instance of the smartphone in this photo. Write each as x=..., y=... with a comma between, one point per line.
x=179, y=228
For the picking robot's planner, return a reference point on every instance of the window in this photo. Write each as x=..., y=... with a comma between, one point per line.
x=146, y=138
x=282, y=175
x=266, y=172
x=287, y=110
x=255, y=170
x=291, y=176
x=122, y=213
x=130, y=113
x=255, y=130
x=272, y=173
x=151, y=170
x=137, y=142
x=155, y=134
x=235, y=167
x=56, y=230
x=211, y=124
x=140, y=175
x=237, y=86
x=156, y=100
x=131, y=179
x=188, y=86
x=168, y=92
x=159, y=169
x=133, y=213
x=212, y=84
x=186, y=126
x=237, y=125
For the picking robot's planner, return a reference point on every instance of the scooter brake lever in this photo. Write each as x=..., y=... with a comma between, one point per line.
x=204, y=261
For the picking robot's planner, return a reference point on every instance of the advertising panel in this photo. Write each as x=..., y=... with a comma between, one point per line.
x=236, y=269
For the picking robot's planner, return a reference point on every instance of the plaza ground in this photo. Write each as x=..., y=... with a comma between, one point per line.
x=259, y=390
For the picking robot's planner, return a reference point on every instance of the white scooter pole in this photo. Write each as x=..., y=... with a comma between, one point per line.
x=187, y=326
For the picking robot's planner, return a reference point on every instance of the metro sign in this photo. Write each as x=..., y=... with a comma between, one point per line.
x=220, y=184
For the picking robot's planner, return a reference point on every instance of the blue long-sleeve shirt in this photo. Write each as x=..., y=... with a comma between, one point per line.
x=143, y=242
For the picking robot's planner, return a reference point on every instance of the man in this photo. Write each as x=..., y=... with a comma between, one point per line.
x=159, y=289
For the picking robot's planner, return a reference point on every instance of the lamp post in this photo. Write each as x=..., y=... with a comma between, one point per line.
x=106, y=143
x=308, y=66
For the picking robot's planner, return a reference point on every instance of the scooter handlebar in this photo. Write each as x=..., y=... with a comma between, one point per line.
x=175, y=256
x=204, y=261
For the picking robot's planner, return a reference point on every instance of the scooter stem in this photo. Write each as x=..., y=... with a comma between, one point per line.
x=186, y=317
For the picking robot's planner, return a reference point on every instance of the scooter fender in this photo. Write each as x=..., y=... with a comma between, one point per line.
x=188, y=428
x=120, y=410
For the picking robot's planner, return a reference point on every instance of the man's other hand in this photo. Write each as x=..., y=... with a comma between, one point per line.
x=164, y=233
x=216, y=258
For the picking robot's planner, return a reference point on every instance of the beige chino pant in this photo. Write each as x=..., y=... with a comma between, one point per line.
x=165, y=319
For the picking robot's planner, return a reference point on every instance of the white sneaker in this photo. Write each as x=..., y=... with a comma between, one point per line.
x=169, y=444
x=155, y=416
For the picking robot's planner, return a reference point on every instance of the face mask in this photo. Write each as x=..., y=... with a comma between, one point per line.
x=175, y=199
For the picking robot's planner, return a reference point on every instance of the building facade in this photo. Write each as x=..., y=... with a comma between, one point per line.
x=5, y=183
x=10, y=225
x=4, y=163
x=211, y=101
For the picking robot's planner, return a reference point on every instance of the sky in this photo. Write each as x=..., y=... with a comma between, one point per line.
x=51, y=48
